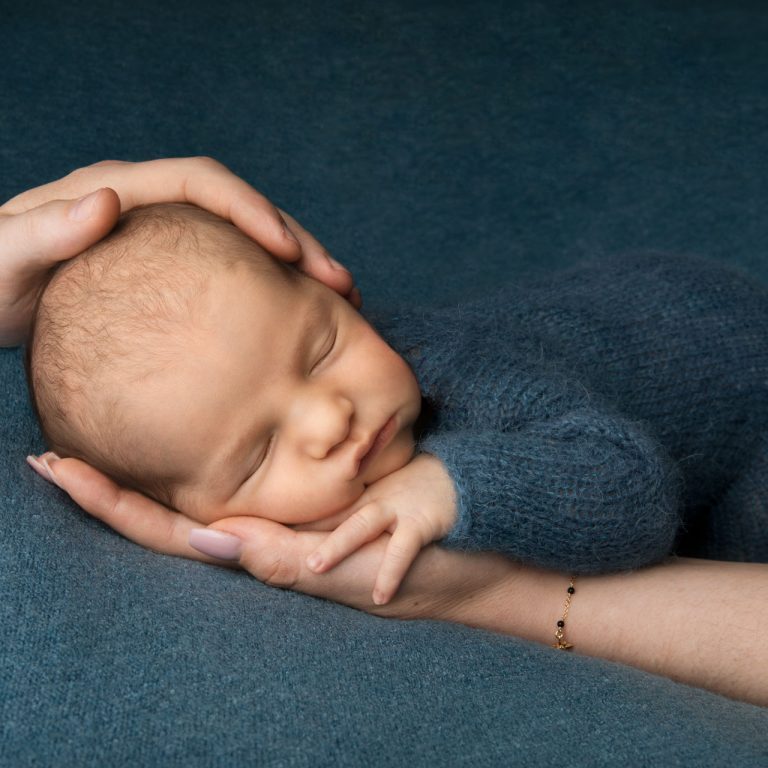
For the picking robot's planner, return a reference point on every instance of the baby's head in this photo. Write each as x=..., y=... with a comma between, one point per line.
x=182, y=360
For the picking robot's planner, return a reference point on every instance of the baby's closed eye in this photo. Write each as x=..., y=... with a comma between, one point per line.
x=328, y=348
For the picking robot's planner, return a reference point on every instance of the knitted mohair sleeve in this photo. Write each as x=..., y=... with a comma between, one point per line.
x=583, y=490
x=545, y=470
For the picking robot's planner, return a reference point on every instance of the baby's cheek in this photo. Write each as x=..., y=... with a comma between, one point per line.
x=205, y=513
x=306, y=501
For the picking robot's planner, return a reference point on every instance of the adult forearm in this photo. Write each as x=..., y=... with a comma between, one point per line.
x=700, y=622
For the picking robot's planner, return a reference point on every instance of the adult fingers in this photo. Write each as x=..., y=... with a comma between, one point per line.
x=209, y=184
x=277, y=555
x=272, y=552
x=317, y=262
x=35, y=240
x=202, y=181
x=436, y=585
x=76, y=184
x=130, y=513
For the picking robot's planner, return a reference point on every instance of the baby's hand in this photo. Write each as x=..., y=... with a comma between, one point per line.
x=416, y=504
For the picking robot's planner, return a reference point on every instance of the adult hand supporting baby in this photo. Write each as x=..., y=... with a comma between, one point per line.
x=441, y=584
x=644, y=618
x=48, y=224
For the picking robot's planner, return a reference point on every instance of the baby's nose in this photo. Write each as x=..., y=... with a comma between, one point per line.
x=327, y=426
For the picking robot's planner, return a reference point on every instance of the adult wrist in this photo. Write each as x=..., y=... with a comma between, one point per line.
x=520, y=600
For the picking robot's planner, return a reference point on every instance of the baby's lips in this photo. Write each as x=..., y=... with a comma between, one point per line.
x=41, y=466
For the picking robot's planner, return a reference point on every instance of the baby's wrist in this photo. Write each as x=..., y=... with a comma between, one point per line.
x=441, y=501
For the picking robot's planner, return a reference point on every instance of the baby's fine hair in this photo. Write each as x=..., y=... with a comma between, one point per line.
x=121, y=310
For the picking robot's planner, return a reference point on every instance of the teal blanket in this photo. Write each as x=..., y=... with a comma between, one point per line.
x=436, y=148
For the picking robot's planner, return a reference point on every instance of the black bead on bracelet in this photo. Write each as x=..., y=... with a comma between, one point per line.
x=562, y=644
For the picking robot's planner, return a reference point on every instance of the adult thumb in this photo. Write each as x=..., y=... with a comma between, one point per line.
x=272, y=552
x=41, y=237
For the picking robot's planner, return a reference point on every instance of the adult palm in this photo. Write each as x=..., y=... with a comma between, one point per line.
x=441, y=584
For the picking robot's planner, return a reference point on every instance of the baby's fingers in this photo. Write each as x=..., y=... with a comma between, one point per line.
x=364, y=526
x=402, y=550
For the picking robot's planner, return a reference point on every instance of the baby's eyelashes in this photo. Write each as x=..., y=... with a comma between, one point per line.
x=264, y=455
x=329, y=348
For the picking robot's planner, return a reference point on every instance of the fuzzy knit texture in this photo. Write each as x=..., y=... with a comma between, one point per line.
x=604, y=416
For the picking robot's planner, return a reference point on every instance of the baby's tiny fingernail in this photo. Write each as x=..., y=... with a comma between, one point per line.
x=379, y=598
x=225, y=546
x=355, y=297
x=83, y=208
x=314, y=561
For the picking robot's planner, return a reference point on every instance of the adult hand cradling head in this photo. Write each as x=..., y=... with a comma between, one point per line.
x=48, y=225
x=182, y=360
x=51, y=223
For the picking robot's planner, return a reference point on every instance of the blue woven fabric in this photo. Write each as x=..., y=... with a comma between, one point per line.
x=436, y=148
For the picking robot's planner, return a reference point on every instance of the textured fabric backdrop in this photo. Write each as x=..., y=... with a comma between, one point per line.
x=435, y=148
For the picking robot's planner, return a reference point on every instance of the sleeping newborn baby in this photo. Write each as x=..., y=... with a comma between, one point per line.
x=182, y=360
x=592, y=420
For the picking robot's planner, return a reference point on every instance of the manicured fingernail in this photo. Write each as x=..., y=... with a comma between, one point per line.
x=83, y=208
x=314, y=561
x=335, y=264
x=48, y=460
x=42, y=466
x=38, y=467
x=225, y=546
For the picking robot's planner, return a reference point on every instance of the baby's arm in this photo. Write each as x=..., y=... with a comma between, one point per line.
x=586, y=491
x=547, y=470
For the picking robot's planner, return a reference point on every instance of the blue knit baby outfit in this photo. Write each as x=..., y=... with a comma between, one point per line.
x=601, y=417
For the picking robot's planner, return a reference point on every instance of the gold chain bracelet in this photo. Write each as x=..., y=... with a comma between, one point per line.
x=562, y=644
